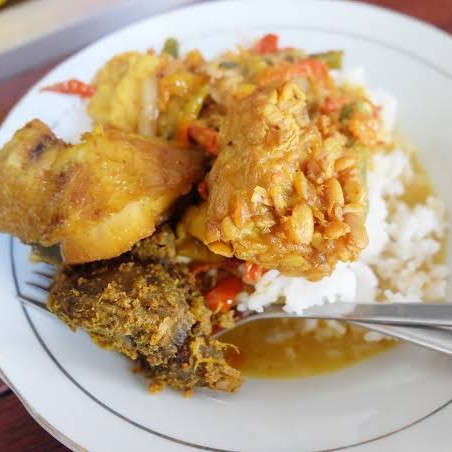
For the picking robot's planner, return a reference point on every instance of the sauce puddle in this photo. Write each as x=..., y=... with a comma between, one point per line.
x=279, y=348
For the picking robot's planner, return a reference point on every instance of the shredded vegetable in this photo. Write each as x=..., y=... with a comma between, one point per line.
x=228, y=65
x=148, y=116
x=333, y=58
x=203, y=190
x=197, y=268
x=181, y=97
x=228, y=264
x=182, y=134
x=253, y=273
x=346, y=112
x=333, y=104
x=267, y=44
x=73, y=87
x=222, y=297
x=206, y=137
x=289, y=71
x=171, y=47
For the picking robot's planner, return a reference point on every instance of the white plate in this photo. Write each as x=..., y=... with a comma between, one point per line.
x=402, y=400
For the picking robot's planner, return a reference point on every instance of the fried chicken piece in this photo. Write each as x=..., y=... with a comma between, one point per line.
x=280, y=194
x=191, y=236
x=145, y=310
x=27, y=191
x=95, y=199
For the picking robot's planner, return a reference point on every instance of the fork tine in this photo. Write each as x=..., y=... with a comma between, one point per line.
x=44, y=274
x=38, y=286
x=48, y=266
x=35, y=303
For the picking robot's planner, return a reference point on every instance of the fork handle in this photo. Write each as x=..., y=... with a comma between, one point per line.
x=431, y=314
x=434, y=338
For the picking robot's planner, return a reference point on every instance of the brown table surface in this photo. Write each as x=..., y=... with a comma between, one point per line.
x=18, y=431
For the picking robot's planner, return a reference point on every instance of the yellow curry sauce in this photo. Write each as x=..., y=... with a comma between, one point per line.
x=295, y=354
x=277, y=348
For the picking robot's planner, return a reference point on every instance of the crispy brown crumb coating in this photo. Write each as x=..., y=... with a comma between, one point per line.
x=147, y=310
x=281, y=194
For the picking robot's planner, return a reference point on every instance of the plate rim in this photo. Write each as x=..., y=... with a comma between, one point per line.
x=428, y=27
x=34, y=413
x=48, y=426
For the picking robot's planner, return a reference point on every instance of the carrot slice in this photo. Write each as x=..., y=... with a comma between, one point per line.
x=203, y=190
x=72, y=87
x=182, y=134
x=332, y=104
x=316, y=69
x=267, y=44
x=206, y=137
x=253, y=273
x=222, y=297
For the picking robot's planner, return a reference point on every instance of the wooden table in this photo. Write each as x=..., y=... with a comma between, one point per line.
x=18, y=431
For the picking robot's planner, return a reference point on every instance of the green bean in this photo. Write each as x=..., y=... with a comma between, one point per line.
x=228, y=65
x=194, y=103
x=346, y=111
x=171, y=47
x=363, y=107
x=333, y=58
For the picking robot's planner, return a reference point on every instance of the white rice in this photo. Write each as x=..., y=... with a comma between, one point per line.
x=397, y=266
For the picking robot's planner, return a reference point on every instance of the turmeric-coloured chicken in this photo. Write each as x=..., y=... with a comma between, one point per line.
x=95, y=199
x=281, y=194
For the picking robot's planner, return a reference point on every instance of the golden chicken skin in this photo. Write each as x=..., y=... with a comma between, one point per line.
x=95, y=199
x=281, y=194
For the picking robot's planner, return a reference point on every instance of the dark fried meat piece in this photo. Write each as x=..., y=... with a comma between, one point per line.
x=161, y=245
x=147, y=310
x=200, y=362
x=126, y=306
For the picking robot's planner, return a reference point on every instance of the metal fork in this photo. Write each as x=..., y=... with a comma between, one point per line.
x=424, y=324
